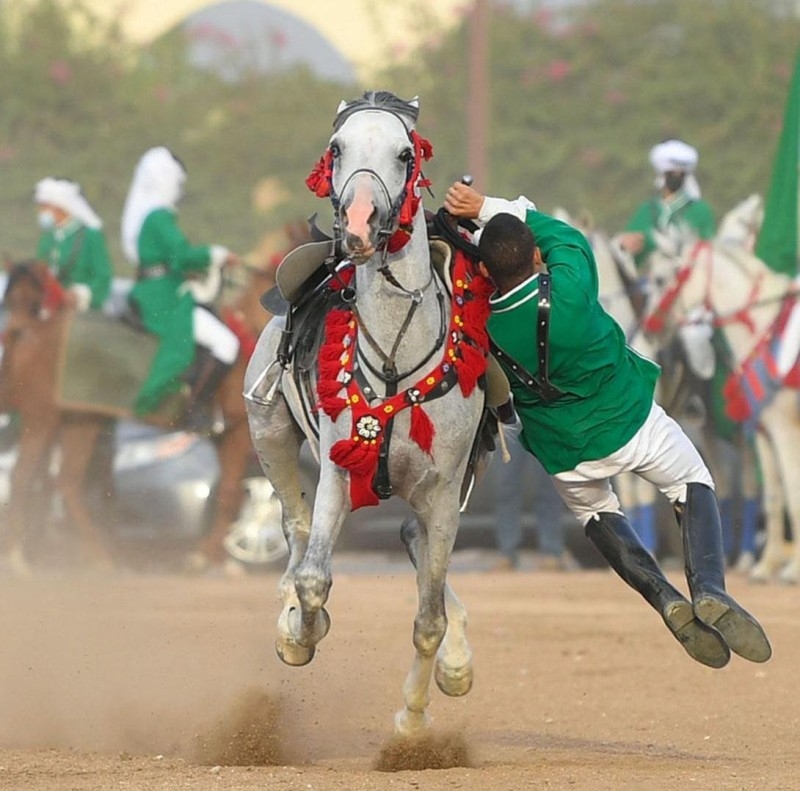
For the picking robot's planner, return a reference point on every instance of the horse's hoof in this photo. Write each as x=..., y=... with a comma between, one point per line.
x=454, y=681
x=290, y=653
x=789, y=574
x=410, y=724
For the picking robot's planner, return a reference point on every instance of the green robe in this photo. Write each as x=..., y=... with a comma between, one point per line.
x=607, y=387
x=163, y=310
x=657, y=214
x=78, y=255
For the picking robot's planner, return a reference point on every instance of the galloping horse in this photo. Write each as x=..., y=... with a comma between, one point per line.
x=37, y=323
x=398, y=405
x=740, y=295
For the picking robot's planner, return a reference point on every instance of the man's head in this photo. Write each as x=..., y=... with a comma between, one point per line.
x=508, y=251
x=675, y=161
x=58, y=200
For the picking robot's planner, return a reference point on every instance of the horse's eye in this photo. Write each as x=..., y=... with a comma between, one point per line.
x=335, y=150
x=406, y=155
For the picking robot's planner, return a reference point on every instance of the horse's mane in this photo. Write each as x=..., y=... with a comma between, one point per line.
x=407, y=111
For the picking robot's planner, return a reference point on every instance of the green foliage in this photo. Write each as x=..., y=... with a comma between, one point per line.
x=86, y=106
x=575, y=108
x=577, y=103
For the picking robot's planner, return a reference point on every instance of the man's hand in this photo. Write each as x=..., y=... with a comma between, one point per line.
x=463, y=201
x=631, y=241
x=231, y=260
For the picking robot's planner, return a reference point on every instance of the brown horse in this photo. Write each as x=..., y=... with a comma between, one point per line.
x=34, y=335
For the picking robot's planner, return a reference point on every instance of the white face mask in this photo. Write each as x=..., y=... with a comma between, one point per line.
x=47, y=219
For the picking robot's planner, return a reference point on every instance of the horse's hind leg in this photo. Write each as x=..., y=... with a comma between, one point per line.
x=453, y=671
x=772, y=558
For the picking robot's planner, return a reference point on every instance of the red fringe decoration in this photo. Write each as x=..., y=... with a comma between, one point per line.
x=422, y=430
x=471, y=364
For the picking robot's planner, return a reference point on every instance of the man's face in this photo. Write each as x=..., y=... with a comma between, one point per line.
x=673, y=179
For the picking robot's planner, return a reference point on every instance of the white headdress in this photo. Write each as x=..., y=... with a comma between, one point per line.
x=676, y=155
x=66, y=195
x=157, y=184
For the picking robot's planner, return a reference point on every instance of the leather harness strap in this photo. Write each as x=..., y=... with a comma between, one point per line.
x=540, y=384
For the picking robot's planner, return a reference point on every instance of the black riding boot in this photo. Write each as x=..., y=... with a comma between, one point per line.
x=702, y=547
x=618, y=543
x=199, y=415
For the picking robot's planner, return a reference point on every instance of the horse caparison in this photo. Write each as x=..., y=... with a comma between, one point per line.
x=384, y=352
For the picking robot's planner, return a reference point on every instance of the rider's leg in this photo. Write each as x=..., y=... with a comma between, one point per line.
x=596, y=506
x=212, y=334
x=665, y=456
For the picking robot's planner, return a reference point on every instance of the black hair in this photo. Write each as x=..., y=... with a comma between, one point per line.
x=506, y=248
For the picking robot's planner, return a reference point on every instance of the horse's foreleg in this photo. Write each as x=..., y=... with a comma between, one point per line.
x=773, y=557
x=277, y=440
x=785, y=435
x=453, y=669
x=78, y=440
x=31, y=464
x=313, y=578
x=433, y=549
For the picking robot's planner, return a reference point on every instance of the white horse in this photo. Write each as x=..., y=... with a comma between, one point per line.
x=399, y=410
x=743, y=297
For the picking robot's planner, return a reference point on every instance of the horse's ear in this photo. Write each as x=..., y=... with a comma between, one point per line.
x=342, y=107
x=414, y=102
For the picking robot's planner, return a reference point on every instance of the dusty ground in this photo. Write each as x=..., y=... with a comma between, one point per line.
x=155, y=682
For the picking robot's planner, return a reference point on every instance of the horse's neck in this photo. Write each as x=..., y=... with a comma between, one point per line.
x=746, y=294
x=383, y=308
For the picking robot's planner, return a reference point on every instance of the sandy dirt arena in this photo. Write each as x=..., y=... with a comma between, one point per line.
x=156, y=682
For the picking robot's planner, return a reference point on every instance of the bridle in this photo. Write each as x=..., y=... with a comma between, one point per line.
x=394, y=233
x=655, y=321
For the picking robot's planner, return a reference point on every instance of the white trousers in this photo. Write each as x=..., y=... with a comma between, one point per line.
x=214, y=335
x=659, y=452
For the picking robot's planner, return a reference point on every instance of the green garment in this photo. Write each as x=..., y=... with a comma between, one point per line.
x=78, y=255
x=164, y=311
x=658, y=214
x=607, y=387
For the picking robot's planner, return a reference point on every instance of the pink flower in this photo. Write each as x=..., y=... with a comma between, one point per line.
x=558, y=70
x=60, y=72
x=592, y=157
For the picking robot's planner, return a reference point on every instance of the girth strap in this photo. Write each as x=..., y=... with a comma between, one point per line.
x=540, y=384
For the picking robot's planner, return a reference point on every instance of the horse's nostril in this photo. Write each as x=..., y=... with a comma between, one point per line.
x=354, y=242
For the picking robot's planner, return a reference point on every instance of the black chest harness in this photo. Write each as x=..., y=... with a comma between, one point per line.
x=540, y=385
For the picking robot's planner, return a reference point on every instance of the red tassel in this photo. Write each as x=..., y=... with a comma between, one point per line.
x=422, y=430
x=471, y=363
x=358, y=458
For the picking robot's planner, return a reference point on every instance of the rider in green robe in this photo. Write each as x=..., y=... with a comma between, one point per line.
x=677, y=203
x=72, y=242
x=163, y=294
x=587, y=413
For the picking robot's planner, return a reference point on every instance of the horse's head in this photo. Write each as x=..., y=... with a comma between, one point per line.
x=31, y=290
x=742, y=223
x=371, y=170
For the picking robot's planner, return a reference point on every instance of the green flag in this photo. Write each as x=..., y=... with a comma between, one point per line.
x=777, y=243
